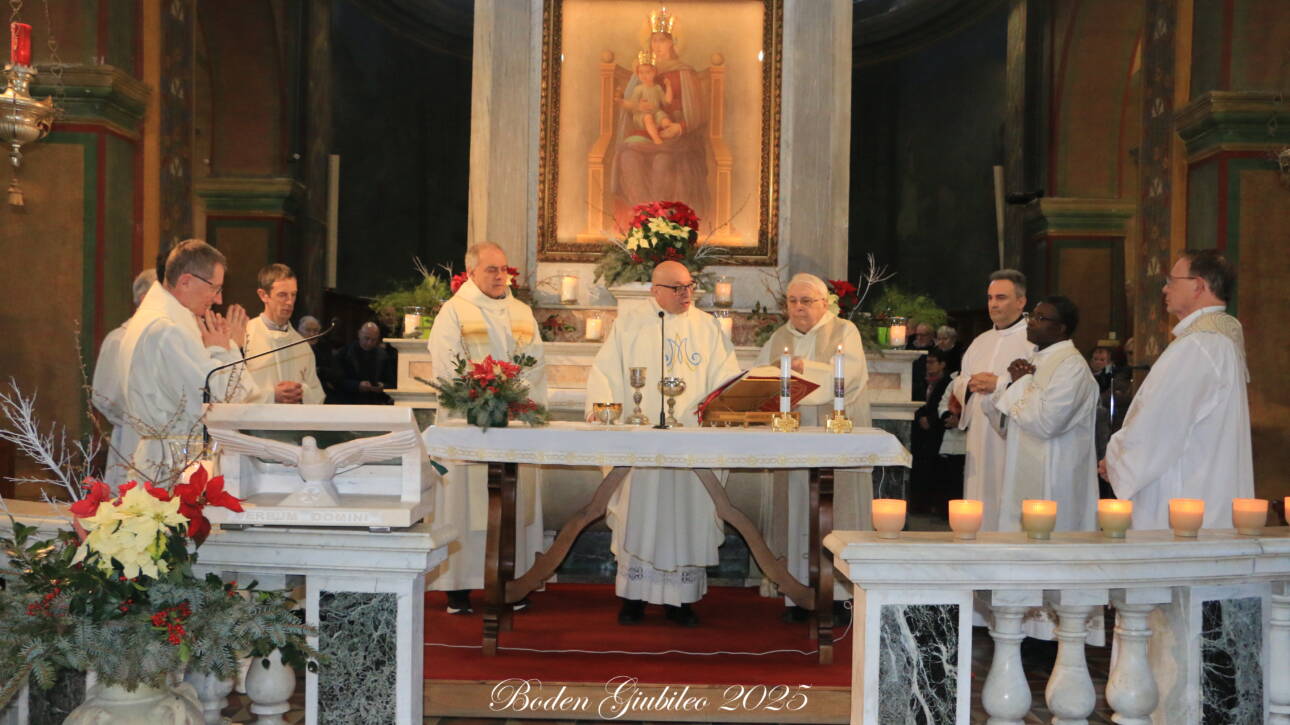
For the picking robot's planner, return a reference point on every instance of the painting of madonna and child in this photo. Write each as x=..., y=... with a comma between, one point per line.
x=646, y=103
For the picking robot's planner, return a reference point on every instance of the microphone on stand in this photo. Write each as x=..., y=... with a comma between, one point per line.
x=662, y=345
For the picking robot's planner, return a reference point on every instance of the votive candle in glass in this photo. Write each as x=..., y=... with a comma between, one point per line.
x=896, y=334
x=1038, y=518
x=1186, y=516
x=568, y=289
x=965, y=517
x=723, y=294
x=595, y=327
x=1114, y=516
x=1249, y=515
x=888, y=517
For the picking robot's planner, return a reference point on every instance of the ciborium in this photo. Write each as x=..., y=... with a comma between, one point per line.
x=607, y=413
x=637, y=380
x=672, y=386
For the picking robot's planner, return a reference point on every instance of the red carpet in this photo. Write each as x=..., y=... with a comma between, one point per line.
x=584, y=617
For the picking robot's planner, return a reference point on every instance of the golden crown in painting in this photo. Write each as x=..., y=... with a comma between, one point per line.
x=660, y=21
x=645, y=57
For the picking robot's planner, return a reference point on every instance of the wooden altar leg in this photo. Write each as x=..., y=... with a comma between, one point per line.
x=821, y=525
x=548, y=561
x=499, y=557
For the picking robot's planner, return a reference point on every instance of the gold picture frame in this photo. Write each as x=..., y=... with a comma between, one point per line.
x=597, y=158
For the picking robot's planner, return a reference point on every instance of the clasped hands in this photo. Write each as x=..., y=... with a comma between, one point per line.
x=223, y=331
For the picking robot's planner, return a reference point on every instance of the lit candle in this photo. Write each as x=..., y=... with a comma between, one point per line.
x=839, y=380
x=1186, y=516
x=568, y=289
x=1249, y=515
x=595, y=327
x=1038, y=518
x=888, y=517
x=20, y=43
x=896, y=335
x=785, y=386
x=965, y=517
x=723, y=295
x=1114, y=517
x=727, y=325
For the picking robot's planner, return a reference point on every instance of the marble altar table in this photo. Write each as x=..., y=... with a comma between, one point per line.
x=624, y=447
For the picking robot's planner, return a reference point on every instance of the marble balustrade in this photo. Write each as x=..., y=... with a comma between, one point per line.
x=1202, y=626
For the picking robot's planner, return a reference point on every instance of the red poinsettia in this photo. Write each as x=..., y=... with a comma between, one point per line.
x=458, y=280
x=86, y=507
x=202, y=491
x=842, y=288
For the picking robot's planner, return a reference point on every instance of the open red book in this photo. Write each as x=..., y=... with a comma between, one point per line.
x=750, y=398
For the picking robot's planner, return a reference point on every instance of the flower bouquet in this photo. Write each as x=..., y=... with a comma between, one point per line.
x=117, y=595
x=491, y=392
x=660, y=231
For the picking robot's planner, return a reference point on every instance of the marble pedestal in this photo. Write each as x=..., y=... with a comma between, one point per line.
x=366, y=593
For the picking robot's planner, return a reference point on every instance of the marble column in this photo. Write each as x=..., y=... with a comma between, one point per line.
x=1006, y=694
x=1278, y=658
x=1131, y=689
x=1070, y=695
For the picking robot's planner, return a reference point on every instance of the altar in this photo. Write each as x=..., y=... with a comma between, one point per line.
x=624, y=447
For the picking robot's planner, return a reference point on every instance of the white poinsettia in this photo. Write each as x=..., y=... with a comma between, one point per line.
x=833, y=303
x=133, y=533
x=637, y=240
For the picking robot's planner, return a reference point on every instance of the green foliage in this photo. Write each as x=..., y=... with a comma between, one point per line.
x=915, y=308
x=490, y=391
x=429, y=293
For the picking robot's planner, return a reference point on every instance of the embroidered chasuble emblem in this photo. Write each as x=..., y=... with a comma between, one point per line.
x=678, y=351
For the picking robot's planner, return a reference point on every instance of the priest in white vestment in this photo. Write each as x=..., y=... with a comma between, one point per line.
x=665, y=527
x=290, y=375
x=1049, y=404
x=984, y=363
x=813, y=335
x=170, y=345
x=1187, y=432
x=109, y=392
x=483, y=318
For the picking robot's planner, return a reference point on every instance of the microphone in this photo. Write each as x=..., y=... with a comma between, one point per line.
x=206, y=384
x=662, y=345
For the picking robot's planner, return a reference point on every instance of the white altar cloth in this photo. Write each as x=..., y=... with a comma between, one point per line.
x=587, y=444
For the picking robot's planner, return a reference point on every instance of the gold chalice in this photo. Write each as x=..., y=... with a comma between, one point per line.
x=607, y=413
x=672, y=386
x=637, y=380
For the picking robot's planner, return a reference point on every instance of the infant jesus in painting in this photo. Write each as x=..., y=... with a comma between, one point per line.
x=645, y=101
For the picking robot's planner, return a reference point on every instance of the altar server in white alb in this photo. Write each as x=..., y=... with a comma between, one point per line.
x=290, y=375
x=483, y=318
x=109, y=392
x=1049, y=403
x=984, y=363
x=665, y=527
x=173, y=341
x=813, y=335
x=1187, y=433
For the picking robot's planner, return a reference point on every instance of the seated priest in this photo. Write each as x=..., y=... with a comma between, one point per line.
x=813, y=335
x=483, y=318
x=289, y=375
x=109, y=392
x=665, y=527
x=173, y=341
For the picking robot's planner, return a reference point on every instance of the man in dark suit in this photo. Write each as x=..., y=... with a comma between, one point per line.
x=926, y=434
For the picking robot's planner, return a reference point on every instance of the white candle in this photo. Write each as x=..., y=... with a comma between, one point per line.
x=1249, y=515
x=1114, y=516
x=839, y=380
x=1186, y=516
x=568, y=289
x=727, y=325
x=595, y=328
x=411, y=324
x=723, y=295
x=888, y=517
x=896, y=335
x=1038, y=518
x=785, y=374
x=965, y=517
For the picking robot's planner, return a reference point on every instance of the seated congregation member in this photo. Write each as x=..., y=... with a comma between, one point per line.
x=665, y=527
x=290, y=375
x=813, y=335
x=109, y=392
x=483, y=318
x=322, y=352
x=365, y=368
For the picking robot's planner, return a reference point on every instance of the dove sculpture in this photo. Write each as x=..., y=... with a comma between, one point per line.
x=317, y=466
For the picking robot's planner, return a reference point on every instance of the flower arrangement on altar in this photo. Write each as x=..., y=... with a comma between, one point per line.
x=490, y=393
x=115, y=593
x=846, y=300
x=659, y=231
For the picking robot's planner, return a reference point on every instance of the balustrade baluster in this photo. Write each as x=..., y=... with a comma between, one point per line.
x=1006, y=694
x=1131, y=690
x=1069, y=694
x=1278, y=655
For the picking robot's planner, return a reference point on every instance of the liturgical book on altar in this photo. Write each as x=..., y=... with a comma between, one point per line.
x=750, y=398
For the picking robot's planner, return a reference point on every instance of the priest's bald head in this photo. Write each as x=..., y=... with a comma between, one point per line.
x=673, y=287
x=1200, y=278
x=195, y=275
